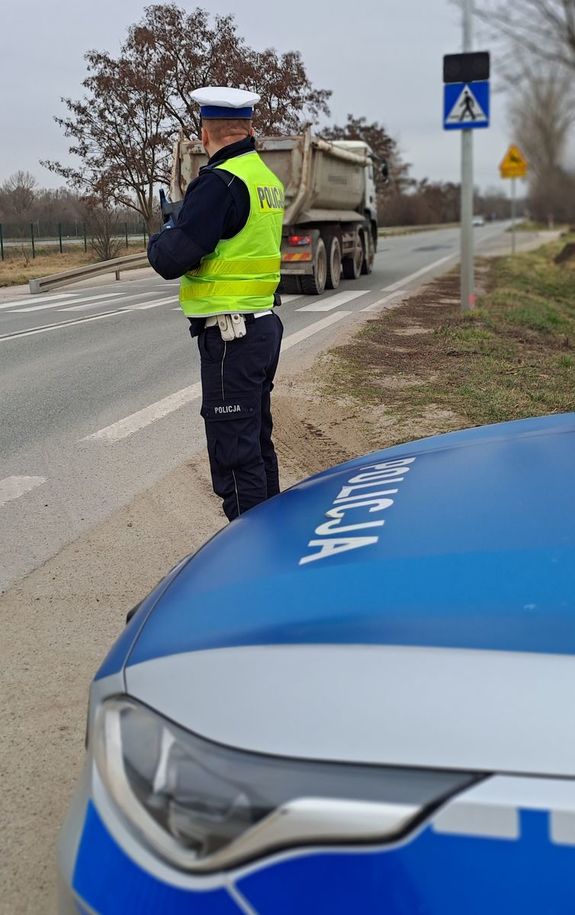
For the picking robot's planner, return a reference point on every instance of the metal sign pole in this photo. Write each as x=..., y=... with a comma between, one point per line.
x=513, y=165
x=467, y=279
x=513, y=215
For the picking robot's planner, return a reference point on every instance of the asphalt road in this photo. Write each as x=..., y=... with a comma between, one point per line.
x=99, y=393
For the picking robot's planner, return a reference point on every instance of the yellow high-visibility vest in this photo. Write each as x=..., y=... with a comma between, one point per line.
x=243, y=272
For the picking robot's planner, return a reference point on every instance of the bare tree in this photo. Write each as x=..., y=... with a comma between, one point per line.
x=545, y=29
x=119, y=130
x=195, y=52
x=542, y=112
x=59, y=208
x=288, y=100
x=537, y=43
x=17, y=196
x=104, y=227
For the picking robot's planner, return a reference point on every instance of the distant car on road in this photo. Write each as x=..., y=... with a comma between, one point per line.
x=357, y=698
x=479, y=220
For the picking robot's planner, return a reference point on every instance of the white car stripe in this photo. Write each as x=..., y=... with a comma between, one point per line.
x=463, y=709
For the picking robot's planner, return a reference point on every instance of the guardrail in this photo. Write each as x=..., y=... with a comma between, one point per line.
x=117, y=265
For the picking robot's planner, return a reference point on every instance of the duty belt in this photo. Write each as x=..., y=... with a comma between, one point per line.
x=212, y=321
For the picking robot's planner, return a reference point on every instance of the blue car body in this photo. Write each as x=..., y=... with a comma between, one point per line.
x=409, y=613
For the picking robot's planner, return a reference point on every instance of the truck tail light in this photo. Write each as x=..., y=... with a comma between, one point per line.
x=299, y=239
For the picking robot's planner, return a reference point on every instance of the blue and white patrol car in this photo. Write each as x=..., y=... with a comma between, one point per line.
x=357, y=698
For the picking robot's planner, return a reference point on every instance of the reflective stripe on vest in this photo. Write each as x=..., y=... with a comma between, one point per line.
x=243, y=273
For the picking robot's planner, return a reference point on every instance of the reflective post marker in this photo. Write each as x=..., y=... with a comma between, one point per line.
x=467, y=278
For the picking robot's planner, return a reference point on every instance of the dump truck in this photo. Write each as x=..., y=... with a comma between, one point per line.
x=330, y=221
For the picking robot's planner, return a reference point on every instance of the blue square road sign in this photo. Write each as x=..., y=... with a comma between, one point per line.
x=466, y=105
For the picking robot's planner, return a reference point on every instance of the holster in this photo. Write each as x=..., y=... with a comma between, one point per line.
x=232, y=327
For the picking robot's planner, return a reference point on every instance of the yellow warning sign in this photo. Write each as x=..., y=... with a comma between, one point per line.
x=514, y=164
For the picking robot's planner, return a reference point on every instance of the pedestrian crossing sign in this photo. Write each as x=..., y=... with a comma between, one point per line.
x=466, y=105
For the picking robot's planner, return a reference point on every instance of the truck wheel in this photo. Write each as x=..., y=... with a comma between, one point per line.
x=290, y=284
x=368, y=253
x=333, y=275
x=315, y=284
x=352, y=265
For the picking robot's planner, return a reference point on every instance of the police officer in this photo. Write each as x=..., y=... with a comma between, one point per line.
x=225, y=247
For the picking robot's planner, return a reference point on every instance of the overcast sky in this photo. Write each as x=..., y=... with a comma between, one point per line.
x=381, y=58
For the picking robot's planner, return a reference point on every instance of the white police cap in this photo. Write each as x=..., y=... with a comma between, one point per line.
x=225, y=102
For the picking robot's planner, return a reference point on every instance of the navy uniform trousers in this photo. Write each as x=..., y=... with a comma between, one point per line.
x=237, y=381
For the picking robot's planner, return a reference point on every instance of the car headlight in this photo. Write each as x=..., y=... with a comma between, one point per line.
x=204, y=806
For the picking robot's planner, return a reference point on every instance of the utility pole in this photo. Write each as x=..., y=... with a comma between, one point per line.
x=467, y=278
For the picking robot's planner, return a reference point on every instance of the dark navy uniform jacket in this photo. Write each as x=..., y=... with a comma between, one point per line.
x=212, y=209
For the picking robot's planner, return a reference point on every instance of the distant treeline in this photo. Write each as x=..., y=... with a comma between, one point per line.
x=432, y=202
x=24, y=203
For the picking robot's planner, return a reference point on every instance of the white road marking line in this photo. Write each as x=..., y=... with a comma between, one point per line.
x=286, y=299
x=334, y=301
x=142, y=418
x=14, y=487
x=312, y=329
x=126, y=298
x=387, y=298
x=166, y=300
x=58, y=305
x=89, y=303
x=418, y=273
x=136, y=421
x=46, y=328
x=52, y=298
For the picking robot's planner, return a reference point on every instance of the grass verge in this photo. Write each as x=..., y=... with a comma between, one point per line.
x=529, y=225
x=426, y=368
x=19, y=266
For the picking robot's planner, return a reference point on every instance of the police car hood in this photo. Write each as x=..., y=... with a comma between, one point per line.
x=403, y=607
